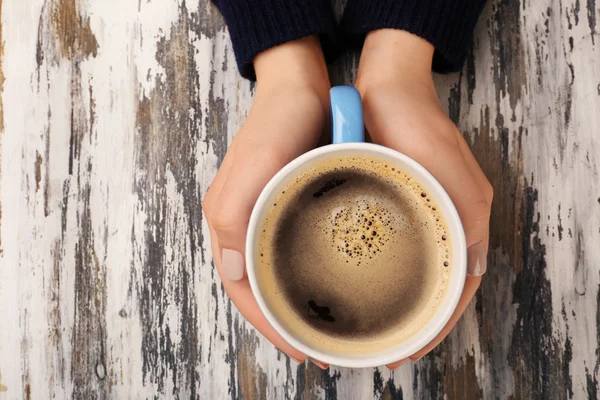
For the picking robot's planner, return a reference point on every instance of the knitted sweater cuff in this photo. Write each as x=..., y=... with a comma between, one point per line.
x=447, y=24
x=257, y=25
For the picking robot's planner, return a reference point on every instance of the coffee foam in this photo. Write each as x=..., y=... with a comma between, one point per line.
x=366, y=260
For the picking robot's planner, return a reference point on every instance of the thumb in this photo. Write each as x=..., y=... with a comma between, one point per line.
x=474, y=209
x=277, y=130
x=472, y=198
x=477, y=234
x=472, y=202
x=249, y=173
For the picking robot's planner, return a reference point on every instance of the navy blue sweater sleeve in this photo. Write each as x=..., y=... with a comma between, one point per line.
x=257, y=25
x=447, y=24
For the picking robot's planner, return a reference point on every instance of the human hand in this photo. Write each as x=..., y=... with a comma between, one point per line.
x=290, y=109
x=402, y=111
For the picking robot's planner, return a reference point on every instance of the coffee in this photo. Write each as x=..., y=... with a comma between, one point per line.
x=354, y=255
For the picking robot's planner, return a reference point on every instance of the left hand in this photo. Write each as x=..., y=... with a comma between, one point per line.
x=402, y=111
x=289, y=112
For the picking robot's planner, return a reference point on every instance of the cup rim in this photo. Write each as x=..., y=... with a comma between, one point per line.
x=451, y=297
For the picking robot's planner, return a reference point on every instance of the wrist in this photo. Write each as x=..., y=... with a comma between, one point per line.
x=392, y=56
x=296, y=64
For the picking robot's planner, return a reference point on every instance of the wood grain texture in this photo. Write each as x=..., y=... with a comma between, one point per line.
x=114, y=117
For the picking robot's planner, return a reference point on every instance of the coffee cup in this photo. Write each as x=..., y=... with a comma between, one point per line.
x=355, y=253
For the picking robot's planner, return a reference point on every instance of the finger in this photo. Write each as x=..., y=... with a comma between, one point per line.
x=419, y=138
x=397, y=364
x=239, y=292
x=241, y=295
x=471, y=285
x=478, y=175
x=250, y=172
x=451, y=171
x=209, y=204
x=262, y=149
x=477, y=225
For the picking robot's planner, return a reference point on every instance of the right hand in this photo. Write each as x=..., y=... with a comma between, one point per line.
x=402, y=111
x=290, y=110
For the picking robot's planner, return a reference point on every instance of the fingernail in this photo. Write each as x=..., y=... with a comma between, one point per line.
x=319, y=363
x=233, y=264
x=477, y=260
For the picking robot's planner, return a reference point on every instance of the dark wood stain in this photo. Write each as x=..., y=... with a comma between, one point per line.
x=252, y=382
x=88, y=333
x=88, y=336
x=509, y=62
x=76, y=39
x=385, y=390
x=581, y=266
x=591, y=15
x=461, y=382
x=89, y=329
x=25, y=368
x=469, y=72
x=231, y=356
x=38, y=170
x=438, y=376
x=499, y=152
x=428, y=376
x=208, y=22
x=536, y=356
x=166, y=146
x=47, y=166
x=56, y=359
x=591, y=374
x=3, y=388
x=597, y=366
x=310, y=378
x=539, y=361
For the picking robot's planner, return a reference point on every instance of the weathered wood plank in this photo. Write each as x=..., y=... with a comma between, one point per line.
x=114, y=117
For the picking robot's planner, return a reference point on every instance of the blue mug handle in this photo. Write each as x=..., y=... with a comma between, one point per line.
x=346, y=115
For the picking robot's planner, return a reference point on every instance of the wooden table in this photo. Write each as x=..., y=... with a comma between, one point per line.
x=114, y=117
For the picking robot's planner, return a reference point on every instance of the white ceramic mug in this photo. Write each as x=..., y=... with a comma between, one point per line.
x=348, y=140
